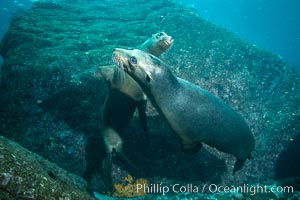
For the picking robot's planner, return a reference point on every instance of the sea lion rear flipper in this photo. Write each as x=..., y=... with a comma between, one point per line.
x=132, y=167
x=107, y=165
x=143, y=117
x=191, y=148
x=239, y=163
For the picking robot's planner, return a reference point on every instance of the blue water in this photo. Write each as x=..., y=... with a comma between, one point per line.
x=8, y=9
x=273, y=25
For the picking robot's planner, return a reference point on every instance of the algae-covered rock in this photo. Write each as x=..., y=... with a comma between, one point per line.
x=48, y=111
x=25, y=175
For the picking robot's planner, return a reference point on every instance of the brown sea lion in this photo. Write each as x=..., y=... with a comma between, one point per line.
x=124, y=96
x=193, y=113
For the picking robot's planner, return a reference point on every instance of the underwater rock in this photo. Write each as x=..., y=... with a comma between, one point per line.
x=288, y=164
x=45, y=110
x=25, y=175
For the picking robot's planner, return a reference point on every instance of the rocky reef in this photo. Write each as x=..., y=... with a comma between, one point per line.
x=26, y=175
x=46, y=109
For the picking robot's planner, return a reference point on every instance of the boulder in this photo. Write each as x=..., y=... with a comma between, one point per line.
x=26, y=175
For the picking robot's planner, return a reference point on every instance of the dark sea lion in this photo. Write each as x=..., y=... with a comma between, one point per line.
x=193, y=113
x=124, y=96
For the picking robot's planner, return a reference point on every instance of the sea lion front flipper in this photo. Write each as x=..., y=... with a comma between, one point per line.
x=131, y=166
x=107, y=165
x=93, y=73
x=107, y=72
x=85, y=75
x=143, y=117
x=239, y=163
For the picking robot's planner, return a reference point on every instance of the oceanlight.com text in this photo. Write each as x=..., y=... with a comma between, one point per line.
x=250, y=189
x=211, y=188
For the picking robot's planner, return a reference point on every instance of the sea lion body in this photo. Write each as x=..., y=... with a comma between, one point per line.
x=193, y=113
x=124, y=96
x=113, y=128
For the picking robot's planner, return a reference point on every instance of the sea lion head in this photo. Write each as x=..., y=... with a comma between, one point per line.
x=139, y=65
x=157, y=44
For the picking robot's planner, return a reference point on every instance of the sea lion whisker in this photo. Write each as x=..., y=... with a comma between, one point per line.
x=114, y=60
x=119, y=61
x=121, y=73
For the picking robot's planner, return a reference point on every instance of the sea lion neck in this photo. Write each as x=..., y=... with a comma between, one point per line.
x=162, y=79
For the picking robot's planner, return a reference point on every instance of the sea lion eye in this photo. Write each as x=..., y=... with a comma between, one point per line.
x=133, y=60
x=159, y=35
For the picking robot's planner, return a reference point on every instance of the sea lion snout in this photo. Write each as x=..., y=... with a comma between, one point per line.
x=118, y=58
x=166, y=39
x=118, y=52
x=157, y=44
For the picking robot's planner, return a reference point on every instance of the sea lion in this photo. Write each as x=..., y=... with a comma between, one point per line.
x=193, y=113
x=157, y=44
x=124, y=96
